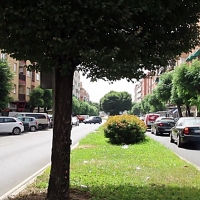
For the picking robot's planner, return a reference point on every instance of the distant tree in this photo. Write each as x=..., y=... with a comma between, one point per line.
x=145, y=106
x=155, y=103
x=107, y=40
x=6, y=77
x=36, y=99
x=176, y=100
x=116, y=102
x=164, y=87
x=136, y=108
x=183, y=79
x=75, y=106
x=47, y=98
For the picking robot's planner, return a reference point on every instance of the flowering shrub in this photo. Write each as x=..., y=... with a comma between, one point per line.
x=124, y=129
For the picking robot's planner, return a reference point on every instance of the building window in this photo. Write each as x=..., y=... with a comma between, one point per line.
x=28, y=91
x=3, y=56
x=38, y=77
x=28, y=73
x=14, y=89
x=15, y=67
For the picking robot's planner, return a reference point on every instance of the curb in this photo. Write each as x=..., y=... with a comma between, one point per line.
x=20, y=187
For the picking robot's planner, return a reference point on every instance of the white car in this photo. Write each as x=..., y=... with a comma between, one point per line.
x=11, y=125
x=75, y=121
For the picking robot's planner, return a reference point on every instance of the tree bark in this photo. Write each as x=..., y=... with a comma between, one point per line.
x=179, y=111
x=188, y=111
x=58, y=188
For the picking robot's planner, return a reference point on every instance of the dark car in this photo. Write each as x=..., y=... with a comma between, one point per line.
x=162, y=125
x=32, y=122
x=186, y=129
x=26, y=126
x=94, y=119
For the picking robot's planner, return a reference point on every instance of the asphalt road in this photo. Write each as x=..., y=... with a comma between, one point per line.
x=190, y=152
x=23, y=155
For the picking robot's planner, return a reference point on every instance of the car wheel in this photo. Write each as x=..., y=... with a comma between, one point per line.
x=171, y=138
x=32, y=128
x=16, y=131
x=157, y=133
x=40, y=127
x=179, y=143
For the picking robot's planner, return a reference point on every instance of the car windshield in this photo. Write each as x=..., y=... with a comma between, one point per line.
x=192, y=122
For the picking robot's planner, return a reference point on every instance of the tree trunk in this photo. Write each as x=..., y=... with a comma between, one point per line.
x=179, y=111
x=38, y=109
x=58, y=188
x=188, y=111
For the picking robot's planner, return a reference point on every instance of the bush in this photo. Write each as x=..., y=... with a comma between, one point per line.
x=124, y=129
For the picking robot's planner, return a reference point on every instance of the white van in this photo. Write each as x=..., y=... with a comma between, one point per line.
x=42, y=118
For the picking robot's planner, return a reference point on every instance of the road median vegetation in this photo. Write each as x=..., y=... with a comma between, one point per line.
x=143, y=171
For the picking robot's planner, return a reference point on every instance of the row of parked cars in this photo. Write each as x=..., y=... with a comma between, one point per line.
x=17, y=123
x=181, y=131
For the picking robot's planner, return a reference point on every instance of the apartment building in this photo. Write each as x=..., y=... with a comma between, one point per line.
x=138, y=92
x=23, y=82
x=84, y=96
x=76, y=85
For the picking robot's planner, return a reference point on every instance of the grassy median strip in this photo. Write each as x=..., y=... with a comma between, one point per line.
x=145, y=171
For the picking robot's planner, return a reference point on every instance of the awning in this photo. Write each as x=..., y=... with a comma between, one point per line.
x=196, y=53
x=175, y=111
x=193, y=56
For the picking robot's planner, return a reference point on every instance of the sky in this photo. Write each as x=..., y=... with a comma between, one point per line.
x=97, y=90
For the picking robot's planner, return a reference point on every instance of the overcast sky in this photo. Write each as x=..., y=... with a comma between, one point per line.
x=98, y=89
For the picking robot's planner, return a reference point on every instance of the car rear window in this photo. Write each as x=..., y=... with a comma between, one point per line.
x=192, y=122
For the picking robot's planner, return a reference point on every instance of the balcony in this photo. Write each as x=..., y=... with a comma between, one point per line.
x=22, y=97
x=22, y=79
x=22, y=63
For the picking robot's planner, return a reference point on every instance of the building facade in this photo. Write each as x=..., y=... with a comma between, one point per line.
x=23, y=82
x=84, y=96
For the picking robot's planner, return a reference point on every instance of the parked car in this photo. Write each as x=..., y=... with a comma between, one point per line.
x=162, y=125
x=42, y=118
x=11, y=125
x=150, y=118
x=93, y=119
x=75, y=121
x=31, y=121
x=50, y=121
x=186, y=129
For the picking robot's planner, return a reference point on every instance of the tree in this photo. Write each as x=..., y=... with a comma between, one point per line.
x=164, y=87
x=116, y=102
x=47, y=98
x=75, y=106
x=106, y=39
x=36, y=98
x=155, y=103
x=6, y=77
x=175, y=99
x=136, y=108
x=182, y=79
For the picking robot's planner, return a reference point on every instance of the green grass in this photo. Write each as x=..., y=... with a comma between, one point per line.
x=145, y=171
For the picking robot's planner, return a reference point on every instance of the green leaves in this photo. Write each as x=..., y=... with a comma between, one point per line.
x=110, y=40
x=116, y=102
x=6, y=86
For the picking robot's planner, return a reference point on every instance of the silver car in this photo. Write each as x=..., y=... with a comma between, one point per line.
x=33, y=123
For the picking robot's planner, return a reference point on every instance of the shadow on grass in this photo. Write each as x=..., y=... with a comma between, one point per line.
x=150, y=192
x=125, y=192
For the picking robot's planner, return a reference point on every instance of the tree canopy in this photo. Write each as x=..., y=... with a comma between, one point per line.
x=6, y=77
x=116, y=102
x=105, y=39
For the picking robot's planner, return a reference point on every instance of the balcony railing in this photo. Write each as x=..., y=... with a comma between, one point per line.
x=22, y=77
x=22, y=97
